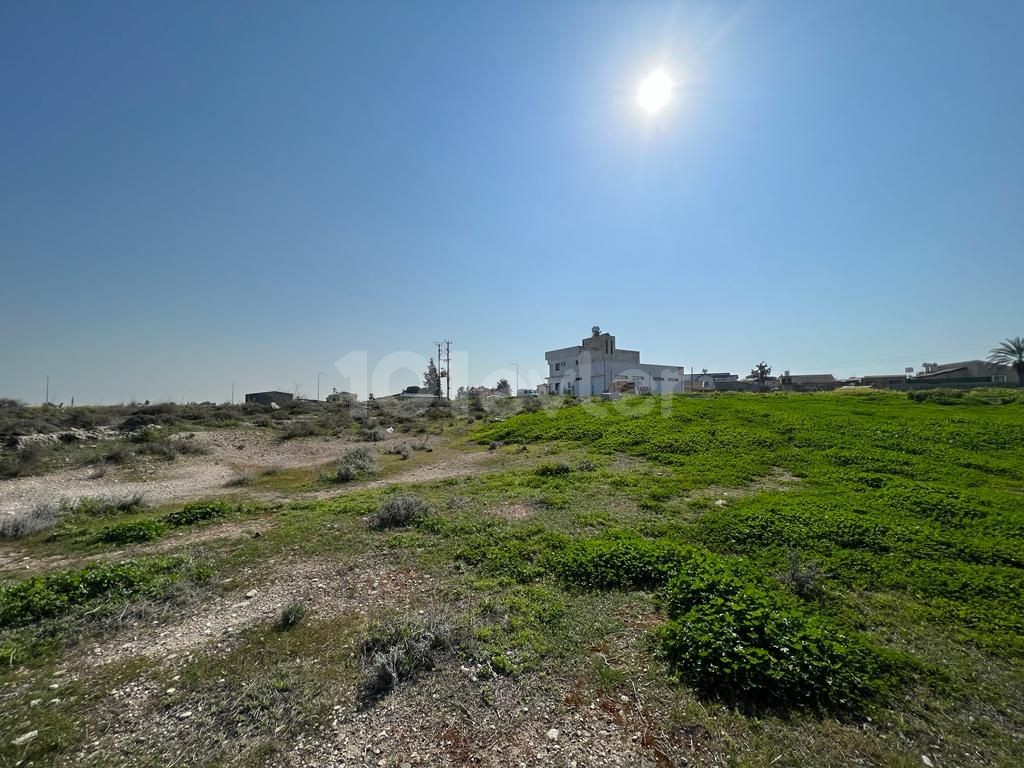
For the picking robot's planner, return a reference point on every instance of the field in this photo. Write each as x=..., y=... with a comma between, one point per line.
x=735, y=580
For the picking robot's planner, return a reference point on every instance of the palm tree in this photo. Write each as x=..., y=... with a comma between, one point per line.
x=1010, y=352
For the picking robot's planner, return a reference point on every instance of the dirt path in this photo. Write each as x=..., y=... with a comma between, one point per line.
x=458, y=465
x=230, y=453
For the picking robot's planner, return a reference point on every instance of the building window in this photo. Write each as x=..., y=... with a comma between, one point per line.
x=658, y=378
x=999, y=378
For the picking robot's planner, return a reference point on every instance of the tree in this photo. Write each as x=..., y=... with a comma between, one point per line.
x=760, y=373
x=1011, y=353
x=432, y=379
x=503, y=386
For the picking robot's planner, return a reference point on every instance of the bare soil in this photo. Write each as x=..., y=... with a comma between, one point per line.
x=231, y=453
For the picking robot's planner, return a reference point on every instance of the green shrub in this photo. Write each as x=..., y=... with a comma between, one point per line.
x=132, y=532
x=291, y=616
x=40, y=597
x=618, y=563
x=735, y=636
x=197, y=512
x=553, y=469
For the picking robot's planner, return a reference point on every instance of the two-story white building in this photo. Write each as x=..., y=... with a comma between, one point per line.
x=597, y=366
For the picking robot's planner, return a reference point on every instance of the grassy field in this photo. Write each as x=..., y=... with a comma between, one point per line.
x=743, y=580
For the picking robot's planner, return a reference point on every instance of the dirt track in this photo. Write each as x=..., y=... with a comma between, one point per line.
x=231, y=452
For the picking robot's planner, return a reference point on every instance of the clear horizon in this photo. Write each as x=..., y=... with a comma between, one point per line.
x=200, y=195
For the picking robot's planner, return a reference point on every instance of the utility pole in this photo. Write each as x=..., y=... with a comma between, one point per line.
x=318, y=384
x=448, y=367
x=232, y=393
x=47, y=401
x=516, y=366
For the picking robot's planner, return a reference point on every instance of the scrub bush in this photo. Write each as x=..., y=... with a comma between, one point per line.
x=133, y=532
x=196, y=512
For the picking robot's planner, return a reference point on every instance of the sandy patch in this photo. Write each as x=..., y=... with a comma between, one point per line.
x=232, y=452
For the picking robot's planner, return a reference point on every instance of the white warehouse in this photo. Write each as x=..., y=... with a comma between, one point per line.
x=597, y=366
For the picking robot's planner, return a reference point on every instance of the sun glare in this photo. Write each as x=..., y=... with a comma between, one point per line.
x=655, y=91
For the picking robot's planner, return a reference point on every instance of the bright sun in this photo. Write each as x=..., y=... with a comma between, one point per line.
x=655, y=91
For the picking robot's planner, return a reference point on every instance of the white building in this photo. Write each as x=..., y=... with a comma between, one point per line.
x=597, y=366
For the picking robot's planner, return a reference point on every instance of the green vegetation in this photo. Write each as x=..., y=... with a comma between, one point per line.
x=197, y=512
x=43, y=597
x=132, y=532
x=290, y=617
x=830, y=578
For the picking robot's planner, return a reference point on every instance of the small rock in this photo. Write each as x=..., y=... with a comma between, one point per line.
x=35, y=702
x=552, y=734
x=721, y=503
x=185, y=715
x=54, y=686
x=25, y=738
x=250, y=594
x=927, y=761
x=170, y=690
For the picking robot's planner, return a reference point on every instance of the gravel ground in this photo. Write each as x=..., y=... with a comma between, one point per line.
x=231, y=452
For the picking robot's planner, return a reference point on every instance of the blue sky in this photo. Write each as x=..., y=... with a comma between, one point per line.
x=194, y=194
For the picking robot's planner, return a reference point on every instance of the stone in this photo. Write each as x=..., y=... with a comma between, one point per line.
x=553, y=734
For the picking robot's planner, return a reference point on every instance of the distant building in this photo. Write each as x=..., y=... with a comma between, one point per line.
x=883, y=381
x=269, y=398
x=968, y=372
x=807, y=382
x=706, y=381
x=596, y=365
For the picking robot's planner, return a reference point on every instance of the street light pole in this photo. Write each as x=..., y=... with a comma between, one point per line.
x=318, y=384
x=516, y=366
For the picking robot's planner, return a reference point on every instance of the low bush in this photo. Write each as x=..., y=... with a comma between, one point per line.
x=107, y=507
x=22, y=461
x=166, y=448
x=400, y=511
x=618, y=563
x=553, y=469
x=40, y=597
x=402, y=449
x=28, y=522
x=397, y=651
x=197, y=512
x=354, y=464
x=132, y=532
x=532, y=405
x=291, y=616
x=733, y=635
x=296, y=429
